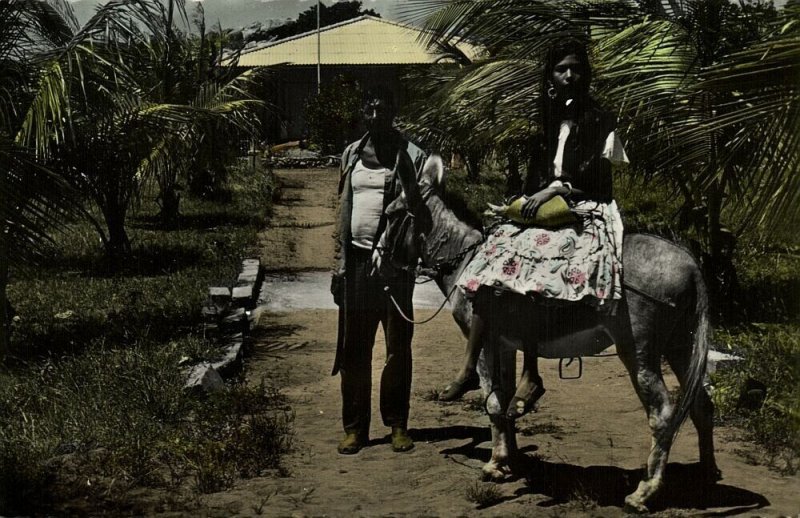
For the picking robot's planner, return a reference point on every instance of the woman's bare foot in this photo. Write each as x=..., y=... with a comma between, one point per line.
x=460, y=386
x=529, y=390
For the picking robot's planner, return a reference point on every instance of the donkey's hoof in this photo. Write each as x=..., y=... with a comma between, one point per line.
x=494, y=472
x=635, y=506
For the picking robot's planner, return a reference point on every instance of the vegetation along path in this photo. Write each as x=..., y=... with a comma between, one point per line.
x=589, y=438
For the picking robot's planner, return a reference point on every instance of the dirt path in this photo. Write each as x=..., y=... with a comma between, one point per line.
x=585, y=447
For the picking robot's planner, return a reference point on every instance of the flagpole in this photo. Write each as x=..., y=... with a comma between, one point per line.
x=319, y=74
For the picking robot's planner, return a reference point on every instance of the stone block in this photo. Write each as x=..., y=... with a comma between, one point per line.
x=247, y=263
x=234, y=322
x=220, y=297
x=231, y=361
x=205, y=378
x=246, y=279
x=219, y=292
x=243, y=295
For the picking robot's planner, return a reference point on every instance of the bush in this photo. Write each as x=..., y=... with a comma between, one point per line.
x=771, y=355
x=333, y=115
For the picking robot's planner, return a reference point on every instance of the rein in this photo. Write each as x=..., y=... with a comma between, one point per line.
x=448, y=265
x=412, y=321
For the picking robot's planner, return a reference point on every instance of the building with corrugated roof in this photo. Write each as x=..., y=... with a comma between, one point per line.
x=366, y=50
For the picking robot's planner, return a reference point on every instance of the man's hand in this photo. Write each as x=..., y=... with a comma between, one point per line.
x=530, y=207
x=337, y=288
x=405, y=168
x=376, y=262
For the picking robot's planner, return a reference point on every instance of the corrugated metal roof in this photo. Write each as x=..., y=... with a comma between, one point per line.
x=365, y=40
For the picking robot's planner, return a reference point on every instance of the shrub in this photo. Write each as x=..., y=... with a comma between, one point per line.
x=771, y=355
x=484, y=494
x=333, y=114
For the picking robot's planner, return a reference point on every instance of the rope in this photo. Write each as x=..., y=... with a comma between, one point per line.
x=416, y=322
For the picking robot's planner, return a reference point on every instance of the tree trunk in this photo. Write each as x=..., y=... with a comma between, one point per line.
x=170, y=207
x=473, y=162
x=513, y=180
x=118, y=246
x=720, y=270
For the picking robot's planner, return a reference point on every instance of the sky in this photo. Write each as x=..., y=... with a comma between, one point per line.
x=242, y=13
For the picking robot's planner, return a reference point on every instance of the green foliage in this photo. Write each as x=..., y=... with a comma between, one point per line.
x=158, y=292
x=769, y=282
x=129, y=99
x=771, y=356
x=706, y=93
x=96, y=391
x=332, y=116
x=239, y=433
x=475, y=196
x=307, y=20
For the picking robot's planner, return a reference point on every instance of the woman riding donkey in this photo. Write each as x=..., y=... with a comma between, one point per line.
x=577, y=262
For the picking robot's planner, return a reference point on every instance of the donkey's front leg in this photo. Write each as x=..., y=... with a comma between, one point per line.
x=504, y=450
x=496, y=369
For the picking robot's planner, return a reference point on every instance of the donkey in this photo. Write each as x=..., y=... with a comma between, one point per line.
x=663, y=313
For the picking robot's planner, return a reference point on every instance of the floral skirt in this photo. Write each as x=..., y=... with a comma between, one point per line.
x=568, y=263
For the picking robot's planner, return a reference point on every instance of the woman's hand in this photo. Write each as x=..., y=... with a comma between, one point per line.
x=533, y=203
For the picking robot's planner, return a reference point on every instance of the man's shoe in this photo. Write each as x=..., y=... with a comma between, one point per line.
x=401, y=441
x=352, y=443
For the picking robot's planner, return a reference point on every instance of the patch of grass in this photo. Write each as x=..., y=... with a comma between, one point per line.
x=484, y=494
x=581, y=500
x=541, y=429
x=121, y=417
x=93, y=404
x=474, y=404
x=769, y=283
x=771, y=355
x=430, y=395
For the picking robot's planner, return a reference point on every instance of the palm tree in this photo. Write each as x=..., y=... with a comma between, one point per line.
x=707, y=92
x=33, y=200
x=109, y=118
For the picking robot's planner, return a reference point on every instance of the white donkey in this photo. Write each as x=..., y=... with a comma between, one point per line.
x=663, y=313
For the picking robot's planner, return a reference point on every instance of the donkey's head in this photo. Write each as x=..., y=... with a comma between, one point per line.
x=410, y=223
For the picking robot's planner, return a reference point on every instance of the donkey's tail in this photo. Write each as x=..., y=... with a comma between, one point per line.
x=695, y=373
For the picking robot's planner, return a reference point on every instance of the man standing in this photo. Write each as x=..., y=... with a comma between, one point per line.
x=375, y=171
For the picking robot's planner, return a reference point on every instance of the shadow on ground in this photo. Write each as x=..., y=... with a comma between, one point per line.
x=609, y=485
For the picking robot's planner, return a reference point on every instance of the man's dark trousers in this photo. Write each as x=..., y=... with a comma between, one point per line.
x=367, y=305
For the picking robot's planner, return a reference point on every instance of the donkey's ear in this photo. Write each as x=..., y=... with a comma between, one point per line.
x=433, y=170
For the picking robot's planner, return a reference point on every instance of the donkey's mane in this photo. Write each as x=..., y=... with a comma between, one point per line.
x=450, y=235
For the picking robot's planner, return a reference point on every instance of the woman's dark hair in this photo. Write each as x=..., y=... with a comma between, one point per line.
x=555, y=54
x=559, y=51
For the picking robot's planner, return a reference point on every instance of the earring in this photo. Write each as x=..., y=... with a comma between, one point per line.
x=551, y=91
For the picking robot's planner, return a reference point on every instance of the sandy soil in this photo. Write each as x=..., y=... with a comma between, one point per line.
x=585, y=447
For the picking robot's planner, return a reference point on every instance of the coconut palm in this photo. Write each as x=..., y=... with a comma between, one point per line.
x=33, y=200
x=707, y=92
x=109, y=117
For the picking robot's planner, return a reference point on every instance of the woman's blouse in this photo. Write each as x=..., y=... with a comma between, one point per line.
x=613, y=151
x=579, y=153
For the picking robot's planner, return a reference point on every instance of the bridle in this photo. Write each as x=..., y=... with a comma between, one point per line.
x=435, y=271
